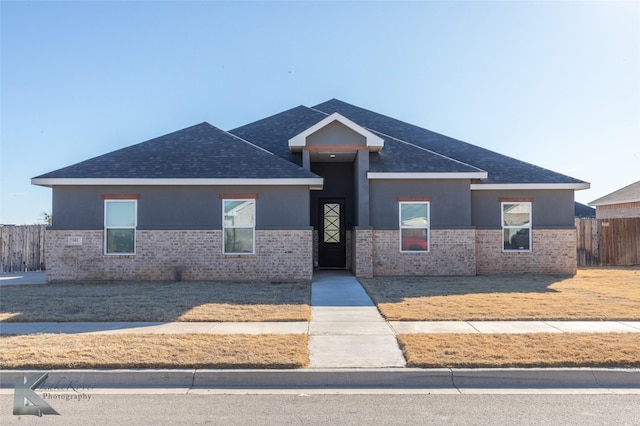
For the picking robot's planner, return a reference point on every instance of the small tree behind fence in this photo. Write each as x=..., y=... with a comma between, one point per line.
x=22, y=248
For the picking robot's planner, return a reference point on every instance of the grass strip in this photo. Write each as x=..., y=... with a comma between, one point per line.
x=592, y=294
x=59, y=351
x=521, y=350
x=157, y=302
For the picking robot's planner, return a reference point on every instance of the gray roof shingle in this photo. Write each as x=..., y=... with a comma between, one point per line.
x=273, y=133
x=501, y=169
x=260, y=150
x=197, y=152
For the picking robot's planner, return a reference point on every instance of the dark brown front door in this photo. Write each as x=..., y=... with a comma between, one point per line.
x=331, y=241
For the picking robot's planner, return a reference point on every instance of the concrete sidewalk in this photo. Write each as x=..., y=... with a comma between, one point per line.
x=322, y=326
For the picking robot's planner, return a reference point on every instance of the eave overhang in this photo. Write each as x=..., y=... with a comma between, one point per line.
x=312, y=183
x=610, y=203
x=436, y=175
x=528, y=186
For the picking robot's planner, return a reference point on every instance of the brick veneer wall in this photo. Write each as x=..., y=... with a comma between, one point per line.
x=284, y=255
x=452, y=252
x=553, y=252
x=616, y=211
x=362, y=249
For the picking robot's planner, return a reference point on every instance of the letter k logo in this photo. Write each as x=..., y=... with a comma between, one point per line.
x=25, y=400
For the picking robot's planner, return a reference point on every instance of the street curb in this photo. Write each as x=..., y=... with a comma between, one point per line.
x=386, y=378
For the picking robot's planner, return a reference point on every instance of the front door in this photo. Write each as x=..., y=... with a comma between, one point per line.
x=331, y=241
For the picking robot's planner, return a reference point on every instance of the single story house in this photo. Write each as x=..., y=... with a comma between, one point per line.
x=624, y=202
x=331, y=186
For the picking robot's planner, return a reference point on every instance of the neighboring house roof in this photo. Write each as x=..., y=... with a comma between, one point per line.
x=584, y=211
x=628, y=194
x=197, y=152
x=501, y=169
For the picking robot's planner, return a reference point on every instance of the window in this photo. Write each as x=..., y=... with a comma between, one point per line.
x=331, y=224
x=120, y=221
x=238, y=226
x=414, y=226
x=516, y=226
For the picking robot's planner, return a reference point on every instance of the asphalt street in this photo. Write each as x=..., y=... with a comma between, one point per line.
x=301, y=408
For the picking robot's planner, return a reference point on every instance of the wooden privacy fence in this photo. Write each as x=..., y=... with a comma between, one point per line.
x=22, y=248
x=608, y=242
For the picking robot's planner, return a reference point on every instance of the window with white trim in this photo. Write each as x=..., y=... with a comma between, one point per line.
x=120, y=222
x=239, y=224
x=516, y=226
x=414, y=226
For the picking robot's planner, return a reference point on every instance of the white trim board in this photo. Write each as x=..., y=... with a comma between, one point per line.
x=461, y=175
x=314, y=182
x=509, y=186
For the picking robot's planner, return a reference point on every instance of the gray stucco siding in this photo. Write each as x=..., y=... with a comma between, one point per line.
x=180, y=207
x=550, y=208
x=336, y=133
x=450, y=201
x=338, y=183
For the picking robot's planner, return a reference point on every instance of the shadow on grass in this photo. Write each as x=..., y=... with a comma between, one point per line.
x=397, y=289
x=156, y=302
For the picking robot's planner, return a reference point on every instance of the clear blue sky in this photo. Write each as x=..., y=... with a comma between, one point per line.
x=556, y=84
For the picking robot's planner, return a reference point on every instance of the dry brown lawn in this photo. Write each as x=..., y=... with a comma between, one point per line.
x=521, y=350
x=145, y=301
x=593, y=294
x=54, y=351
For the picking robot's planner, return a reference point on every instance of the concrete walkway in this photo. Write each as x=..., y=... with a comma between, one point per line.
x=346, y=329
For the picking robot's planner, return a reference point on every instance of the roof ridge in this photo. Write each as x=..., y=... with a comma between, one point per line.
x=249, y=143
x=279, y=159
x=317, y=110
x=426, y=149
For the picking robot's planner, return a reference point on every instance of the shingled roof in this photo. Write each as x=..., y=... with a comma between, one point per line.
x=628, y=194
x=273, y=133
x=260, y=150
x=501, y=168
x=197, y=152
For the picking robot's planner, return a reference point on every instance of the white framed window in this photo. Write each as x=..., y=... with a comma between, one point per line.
x=516, y=226
x=120, y=222
x=414, y=226
x=238, y=226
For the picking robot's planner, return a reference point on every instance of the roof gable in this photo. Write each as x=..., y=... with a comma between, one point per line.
x=373, y=143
